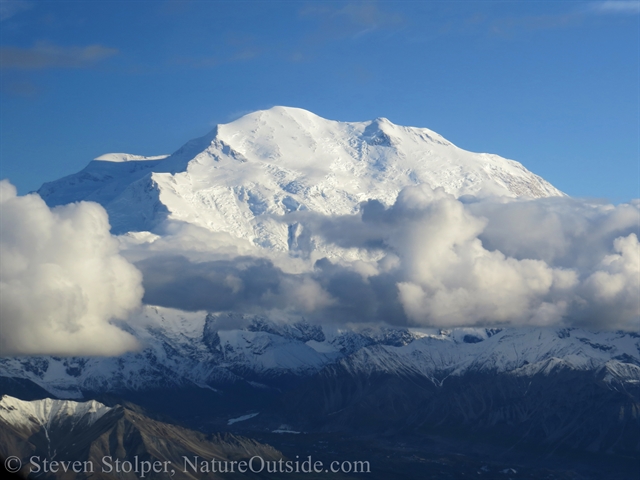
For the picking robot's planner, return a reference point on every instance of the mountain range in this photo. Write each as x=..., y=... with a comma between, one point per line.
x=539, y=390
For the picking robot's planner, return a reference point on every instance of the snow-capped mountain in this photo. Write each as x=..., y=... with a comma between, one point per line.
x=90, y=439
x=312, y=377
x=281, y=160
x=188, y=349
x=210, y=369
x=45, y=413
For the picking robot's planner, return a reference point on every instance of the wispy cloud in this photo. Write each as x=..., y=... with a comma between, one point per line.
x=616, y=7
x=352, y=19
x=9, y=8
x=574, y=17
x=46, y=55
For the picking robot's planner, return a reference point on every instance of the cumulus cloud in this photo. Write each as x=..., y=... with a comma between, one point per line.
x=497, y=261
x=614, y=288
x=427, y=260
x=560, y=231
x=62, y=279
x=191, y=268
x=450, y=278
x=241, y=284
x=180, y=238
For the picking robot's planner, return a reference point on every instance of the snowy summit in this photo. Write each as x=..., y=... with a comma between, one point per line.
x=276, y=161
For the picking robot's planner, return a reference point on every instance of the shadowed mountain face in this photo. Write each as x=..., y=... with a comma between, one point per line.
x=566, y=410
x=564, y=423
x=526, y=394
x=90, y=440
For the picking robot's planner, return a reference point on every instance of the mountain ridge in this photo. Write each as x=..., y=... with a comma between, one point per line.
x=241, y=354
x=276, y=161
x=203, y=350
x=119, y=435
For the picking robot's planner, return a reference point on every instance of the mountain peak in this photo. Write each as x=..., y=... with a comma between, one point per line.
x=46, y=411
x=382, y=121
x=274, y=115
x=270, y=162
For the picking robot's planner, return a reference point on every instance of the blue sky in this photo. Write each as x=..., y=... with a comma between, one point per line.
x=552, y=84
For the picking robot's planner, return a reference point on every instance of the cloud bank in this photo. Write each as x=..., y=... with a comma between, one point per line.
x=428, y=260
x=439, y=261
x=62, y=279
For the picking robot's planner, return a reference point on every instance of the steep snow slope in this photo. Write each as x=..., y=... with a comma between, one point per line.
x=44, y=413
x=104, y=178
x=280, y=160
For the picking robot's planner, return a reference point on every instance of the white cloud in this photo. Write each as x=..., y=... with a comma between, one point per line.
x=62, y=279
x=556, y=261
x=428, y=260
x=449, y=278
x=614, y=288
x=547, y=261
x=616, y=6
